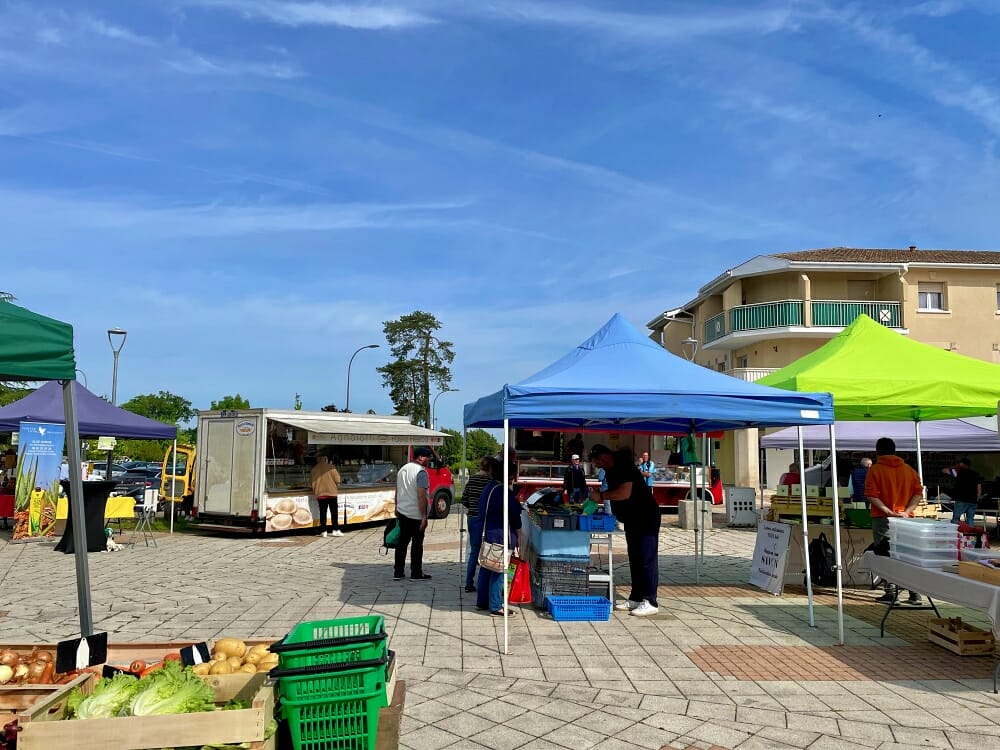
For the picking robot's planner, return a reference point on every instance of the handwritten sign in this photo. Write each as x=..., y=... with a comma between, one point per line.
x=770, y=556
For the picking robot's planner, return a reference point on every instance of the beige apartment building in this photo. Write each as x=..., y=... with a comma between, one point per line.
x=765, y=313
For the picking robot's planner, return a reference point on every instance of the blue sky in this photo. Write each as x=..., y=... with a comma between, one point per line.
x=251, y=187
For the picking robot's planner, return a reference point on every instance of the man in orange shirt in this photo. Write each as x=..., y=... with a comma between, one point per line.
x=894, y=490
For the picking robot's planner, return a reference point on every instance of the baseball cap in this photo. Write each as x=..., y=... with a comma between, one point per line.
x=599, y=450
x=574, y=457
x=422, y=452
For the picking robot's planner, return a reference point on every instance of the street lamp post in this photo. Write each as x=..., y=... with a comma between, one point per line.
x=693, y=343
x=116, y=338
x=347, y=405
x=434, y=401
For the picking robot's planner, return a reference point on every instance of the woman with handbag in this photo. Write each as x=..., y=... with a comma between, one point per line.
x=492, y=571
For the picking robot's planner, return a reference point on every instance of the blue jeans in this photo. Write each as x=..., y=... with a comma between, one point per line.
x=475, y=543
x=489, y=590
x=964, y=509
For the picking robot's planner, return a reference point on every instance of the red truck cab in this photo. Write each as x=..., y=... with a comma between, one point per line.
x=441, y=493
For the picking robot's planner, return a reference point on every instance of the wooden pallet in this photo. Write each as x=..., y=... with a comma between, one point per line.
x=960, y=638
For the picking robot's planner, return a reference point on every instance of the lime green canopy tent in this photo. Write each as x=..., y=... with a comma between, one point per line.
x=33, y=347
x=875, y=373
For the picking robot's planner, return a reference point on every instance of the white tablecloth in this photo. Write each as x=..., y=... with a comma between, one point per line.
x=937, y=584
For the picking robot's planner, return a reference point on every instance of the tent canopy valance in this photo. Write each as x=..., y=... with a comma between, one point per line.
x=876, y=373
x=94, y=415
x=946, y=435
x=33, y=347
x=619, y=380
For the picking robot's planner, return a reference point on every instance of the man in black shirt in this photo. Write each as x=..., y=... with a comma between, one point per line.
x=633, y=504
x=575, y=481
x=966, y=492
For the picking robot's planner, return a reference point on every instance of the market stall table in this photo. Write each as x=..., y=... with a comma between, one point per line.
x=938, y=584
x=95, y=495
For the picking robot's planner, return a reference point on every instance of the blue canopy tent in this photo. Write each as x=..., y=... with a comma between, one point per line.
x=619, y=380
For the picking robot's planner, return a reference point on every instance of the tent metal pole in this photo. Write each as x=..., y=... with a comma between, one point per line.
x=836, y=533
x=805, y=531
x=173, y=490
x=706, y=518
x=506, y=532
x=693, y=468
x=463, y=471
x=920, y=462
x=76, y=501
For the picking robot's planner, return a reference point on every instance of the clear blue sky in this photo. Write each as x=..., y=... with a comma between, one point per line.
x=251, y=187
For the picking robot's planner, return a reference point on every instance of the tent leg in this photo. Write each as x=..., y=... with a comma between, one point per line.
x=694, y=500
x=805, y=531
x=463, y=471
x=706, y=518
x=173, y=489
x=506, y=533
x=836, y=534
x=920, y=461
x=76, y=499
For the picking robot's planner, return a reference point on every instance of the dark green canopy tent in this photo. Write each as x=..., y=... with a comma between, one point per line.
x=33, y=347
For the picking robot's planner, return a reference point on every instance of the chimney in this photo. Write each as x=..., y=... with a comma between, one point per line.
x=912, y=248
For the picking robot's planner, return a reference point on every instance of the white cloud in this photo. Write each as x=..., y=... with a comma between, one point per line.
x=193, y=63
x=365, y=17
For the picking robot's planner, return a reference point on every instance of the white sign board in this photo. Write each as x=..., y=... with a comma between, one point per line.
x=106, y=443
x=770, y=556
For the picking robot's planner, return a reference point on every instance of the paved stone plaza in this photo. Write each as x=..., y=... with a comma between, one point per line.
x=722, y=666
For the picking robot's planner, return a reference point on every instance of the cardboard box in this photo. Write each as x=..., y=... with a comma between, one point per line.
x=979, y=572
x=814, y=490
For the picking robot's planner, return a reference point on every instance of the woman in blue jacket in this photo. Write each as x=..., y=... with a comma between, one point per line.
x=489, y=591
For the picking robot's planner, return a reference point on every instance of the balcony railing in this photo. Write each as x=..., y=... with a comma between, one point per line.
x=715, y=328
x=838, y=313
x=750, y=374
x=766, y=315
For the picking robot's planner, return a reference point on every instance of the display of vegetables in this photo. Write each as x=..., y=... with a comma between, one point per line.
x=35, y=668
x=231, y=655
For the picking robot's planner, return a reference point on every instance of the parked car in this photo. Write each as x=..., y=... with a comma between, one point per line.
x=135, y=483
x=98, y=470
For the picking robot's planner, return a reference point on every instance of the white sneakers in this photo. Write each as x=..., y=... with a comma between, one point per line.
x=335, y=532
x=645, y=609
x=637, y=609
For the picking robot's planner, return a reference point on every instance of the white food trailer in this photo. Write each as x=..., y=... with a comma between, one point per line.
x=252, y=465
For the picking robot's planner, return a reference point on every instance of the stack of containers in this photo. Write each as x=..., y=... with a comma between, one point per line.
x=558, y=559
x=925, y=542
x=332, y=677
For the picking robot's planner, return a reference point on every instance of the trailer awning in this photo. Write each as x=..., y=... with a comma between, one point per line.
x=362, y=432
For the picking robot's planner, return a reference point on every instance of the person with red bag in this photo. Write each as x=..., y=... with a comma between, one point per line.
x=489, y=589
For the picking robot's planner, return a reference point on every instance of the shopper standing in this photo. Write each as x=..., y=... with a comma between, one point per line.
x=966, y=492
x=325, y=481
x=490, y=592
x=647, y=468
x=412, y=484
x=894, y=490
x=470, y=501
x=575, y=480
x=857, y=481
x=633, y=504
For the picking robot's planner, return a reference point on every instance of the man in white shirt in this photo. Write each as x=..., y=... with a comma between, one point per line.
x=412, y=484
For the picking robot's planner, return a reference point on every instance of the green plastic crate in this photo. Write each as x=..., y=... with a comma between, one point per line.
x=331, y=681
x=332, y=642
x=349, y=724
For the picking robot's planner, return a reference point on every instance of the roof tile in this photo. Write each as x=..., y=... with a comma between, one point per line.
x=889, y=255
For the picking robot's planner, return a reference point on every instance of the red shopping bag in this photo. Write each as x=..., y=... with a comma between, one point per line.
x=519, y=581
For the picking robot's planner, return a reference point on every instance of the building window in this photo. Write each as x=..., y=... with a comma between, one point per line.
x=744, y=362
x=998, y=297
x=930, y=296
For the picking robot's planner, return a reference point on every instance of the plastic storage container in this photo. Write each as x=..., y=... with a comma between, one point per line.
x=922, y=527
x=979, y=554
x=579, y=608
x=924, y=541
x=346, y=639
x=554, y=543
x=598, y=522
x=922, y=557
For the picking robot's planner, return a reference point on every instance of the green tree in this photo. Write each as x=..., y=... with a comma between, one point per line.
x=230, y=402
x=11, y=392
x=479, y=443
x=298, y=402
x=163, y=407
x=421, y=359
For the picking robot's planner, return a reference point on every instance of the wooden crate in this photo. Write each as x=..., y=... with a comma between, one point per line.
x=44, y=725
x=960, y=638
x=979, y=572
x=20, y=699
x=390, y=716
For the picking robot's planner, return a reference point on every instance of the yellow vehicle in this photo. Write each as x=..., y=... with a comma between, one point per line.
x=177, y=478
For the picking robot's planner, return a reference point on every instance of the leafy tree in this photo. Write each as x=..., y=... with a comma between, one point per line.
x=479, y=443
x=11, y=392
x=230, y=402
x=163, y=407
x=421, y=358
x=298, y=402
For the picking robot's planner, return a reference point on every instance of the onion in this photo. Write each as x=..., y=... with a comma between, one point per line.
x=20, y=672
x=9, y=657
x=6, y=674
x=43, y=656
x=35, y=670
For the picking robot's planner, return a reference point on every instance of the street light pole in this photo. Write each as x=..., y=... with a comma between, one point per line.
x=347, y=404
x=113, y=334
x=434, y=402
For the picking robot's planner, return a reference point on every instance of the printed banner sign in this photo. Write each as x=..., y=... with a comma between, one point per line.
x=106, y=443
x=39, y=454
x=770, y=556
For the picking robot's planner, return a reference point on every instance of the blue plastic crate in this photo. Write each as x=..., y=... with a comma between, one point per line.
x=579, y=608
x=598, y=522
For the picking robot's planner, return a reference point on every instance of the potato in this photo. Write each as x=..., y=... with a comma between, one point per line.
x=235, y=662
x=231, y=647
x=223, y=667
x=253, y=658
x=248, y=668
x=201, y=669
x=260, y=648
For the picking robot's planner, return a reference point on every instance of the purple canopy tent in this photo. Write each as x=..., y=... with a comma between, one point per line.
x=94, y=415
x=944, y=435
